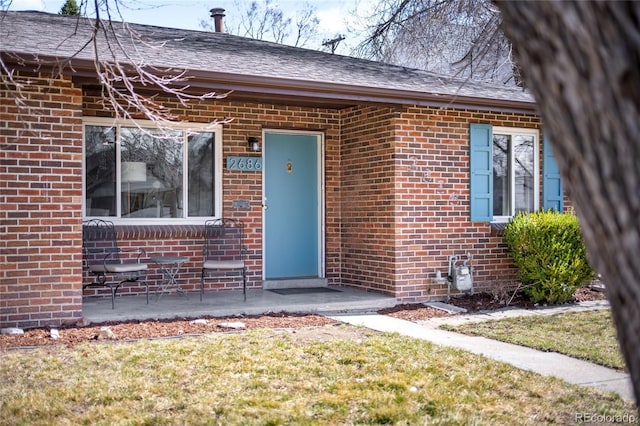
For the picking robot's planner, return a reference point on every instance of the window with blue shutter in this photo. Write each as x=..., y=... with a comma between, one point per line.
x=552, y=182
x=505, y=173
x=481, y=181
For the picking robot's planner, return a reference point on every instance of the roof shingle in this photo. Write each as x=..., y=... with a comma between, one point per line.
x=211, y=55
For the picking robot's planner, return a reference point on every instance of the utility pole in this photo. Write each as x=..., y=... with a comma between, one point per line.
x=333, y=43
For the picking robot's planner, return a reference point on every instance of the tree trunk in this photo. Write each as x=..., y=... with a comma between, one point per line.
x=581, y=61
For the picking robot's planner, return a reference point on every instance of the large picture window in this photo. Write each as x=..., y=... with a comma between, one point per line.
x=135, y=173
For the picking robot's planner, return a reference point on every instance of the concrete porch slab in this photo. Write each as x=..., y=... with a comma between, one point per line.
x=228, y=303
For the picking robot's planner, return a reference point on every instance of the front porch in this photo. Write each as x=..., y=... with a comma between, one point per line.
x=228, y=303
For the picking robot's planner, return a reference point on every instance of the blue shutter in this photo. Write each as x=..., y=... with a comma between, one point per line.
x=481, y=180
x=551, y=181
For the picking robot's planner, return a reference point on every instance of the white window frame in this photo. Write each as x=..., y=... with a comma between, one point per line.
x=216, y=129
x=512, y=132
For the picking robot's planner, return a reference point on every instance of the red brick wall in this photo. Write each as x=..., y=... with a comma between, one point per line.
x=405, y=201
x=396, y=198
x=432, y=199
x=41, y=188
x=368, y=198
x=248, y=120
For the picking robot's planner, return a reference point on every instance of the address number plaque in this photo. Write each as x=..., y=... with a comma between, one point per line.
x=249, y=164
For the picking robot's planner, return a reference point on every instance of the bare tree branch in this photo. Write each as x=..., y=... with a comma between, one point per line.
x=306, y=25
x=265, y=20
x=461, y=38
x=125, y=78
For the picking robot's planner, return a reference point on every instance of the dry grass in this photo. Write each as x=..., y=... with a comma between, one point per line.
x=585, y=335
x=272, y=377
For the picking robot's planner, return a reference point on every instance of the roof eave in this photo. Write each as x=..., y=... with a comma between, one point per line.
x=282, y=87
x=353, y=93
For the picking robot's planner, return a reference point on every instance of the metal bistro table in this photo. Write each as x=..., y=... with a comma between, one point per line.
x=169, y=266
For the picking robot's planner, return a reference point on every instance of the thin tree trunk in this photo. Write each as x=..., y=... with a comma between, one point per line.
x=581, y=61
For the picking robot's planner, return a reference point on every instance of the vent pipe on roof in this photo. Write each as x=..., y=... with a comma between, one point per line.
x=217, y=13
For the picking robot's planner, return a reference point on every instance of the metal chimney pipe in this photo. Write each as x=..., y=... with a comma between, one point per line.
x=217, y=13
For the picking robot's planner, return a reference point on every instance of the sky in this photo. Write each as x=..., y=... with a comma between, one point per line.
x=335, y=16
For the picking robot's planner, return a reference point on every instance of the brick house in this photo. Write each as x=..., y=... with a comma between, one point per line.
x=367, y=175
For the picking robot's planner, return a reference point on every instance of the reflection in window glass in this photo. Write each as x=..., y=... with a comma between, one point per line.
x=100, y=171
x=151, y=173
x=514, y=174
x=501, y=190
x=159, y=177
x=524, y=176
x=201, y=175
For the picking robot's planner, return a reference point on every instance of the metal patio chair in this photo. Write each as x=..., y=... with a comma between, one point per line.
x=102, y=258
x=223, y=251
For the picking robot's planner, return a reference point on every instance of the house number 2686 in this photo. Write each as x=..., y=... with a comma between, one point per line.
x=251, y=164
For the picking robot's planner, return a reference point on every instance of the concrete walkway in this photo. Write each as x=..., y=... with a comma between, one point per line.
x=553, y=364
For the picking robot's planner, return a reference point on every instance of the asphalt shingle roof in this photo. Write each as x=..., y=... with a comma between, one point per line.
x=212, y=55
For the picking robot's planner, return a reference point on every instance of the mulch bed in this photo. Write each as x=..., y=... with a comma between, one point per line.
x=72, y=335
x=479, y=302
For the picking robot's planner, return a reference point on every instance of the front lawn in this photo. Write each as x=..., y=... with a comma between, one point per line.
x=586, y=335
x=272, y=377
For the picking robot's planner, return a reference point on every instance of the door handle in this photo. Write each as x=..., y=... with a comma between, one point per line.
x=264, y=207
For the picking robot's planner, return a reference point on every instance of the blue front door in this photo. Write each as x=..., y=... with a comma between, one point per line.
x=292, y=205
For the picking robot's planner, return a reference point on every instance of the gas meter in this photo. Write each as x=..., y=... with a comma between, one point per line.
x=460, y=273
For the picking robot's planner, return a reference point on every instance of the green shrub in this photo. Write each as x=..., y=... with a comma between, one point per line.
x=550, y=255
